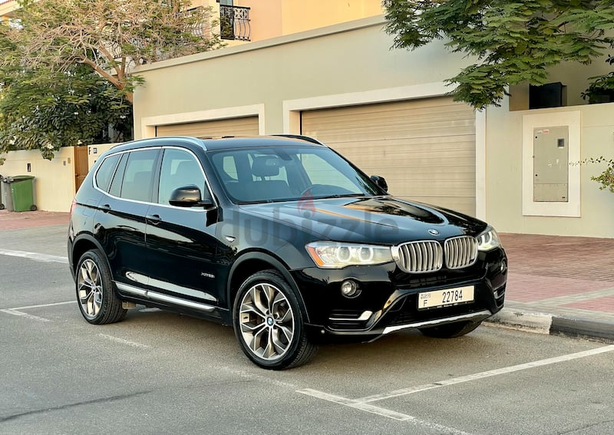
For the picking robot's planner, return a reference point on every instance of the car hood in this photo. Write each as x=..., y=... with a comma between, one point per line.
x=379, y=220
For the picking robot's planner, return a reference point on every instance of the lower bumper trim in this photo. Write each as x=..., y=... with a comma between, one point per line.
x=473, y=317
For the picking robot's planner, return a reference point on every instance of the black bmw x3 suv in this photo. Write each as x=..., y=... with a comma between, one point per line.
x=280, y=237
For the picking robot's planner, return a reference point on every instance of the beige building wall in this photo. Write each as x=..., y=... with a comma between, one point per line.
x=352, y=64
x=7, y=6
x=505, y=173
x=265, y=18
x=54, y=185
x=258, y=78
x=95, y=151
x=574, y=76
x=300, y=15
x=273, y=18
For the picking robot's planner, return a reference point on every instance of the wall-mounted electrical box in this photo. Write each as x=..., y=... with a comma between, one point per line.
x=551, y=164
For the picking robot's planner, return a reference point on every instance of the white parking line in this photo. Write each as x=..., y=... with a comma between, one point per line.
x=26, y=315
x=44, y=305
x=361, y=406
x=35, y=256
x=126, y=342
x=18, y=311
x=487, y=374
x=364, y=404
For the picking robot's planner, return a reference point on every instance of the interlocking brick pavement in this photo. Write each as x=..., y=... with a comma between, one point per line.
x=31, y=219
x=582, y=258
x=568, y=277
x=599, y=304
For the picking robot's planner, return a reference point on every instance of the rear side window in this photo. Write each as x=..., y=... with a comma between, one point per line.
x=106, y=171
x=138, y=175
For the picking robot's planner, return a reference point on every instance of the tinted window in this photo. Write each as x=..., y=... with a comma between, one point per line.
x=179, y=169
x=321, y=172
x=288, y=173
x=106, y=171
x=116, y=184
x=138, y=176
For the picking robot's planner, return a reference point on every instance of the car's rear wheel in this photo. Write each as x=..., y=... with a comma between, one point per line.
x=98, y=302
x=451, y=330
x=268, y=322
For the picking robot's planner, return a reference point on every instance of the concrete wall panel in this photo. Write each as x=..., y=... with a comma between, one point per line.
x=54, y=185
x=504, y=174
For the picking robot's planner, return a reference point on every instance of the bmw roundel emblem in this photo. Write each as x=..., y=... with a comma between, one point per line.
x=433, y=232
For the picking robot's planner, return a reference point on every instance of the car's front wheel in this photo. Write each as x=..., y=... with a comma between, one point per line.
x=268, y=322
x=97, y=299
x=451, y=330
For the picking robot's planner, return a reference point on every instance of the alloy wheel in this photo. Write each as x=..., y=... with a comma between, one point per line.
x=89, y=288
x=267, y=321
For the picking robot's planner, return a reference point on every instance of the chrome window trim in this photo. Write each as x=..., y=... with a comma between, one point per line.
x=161, y=147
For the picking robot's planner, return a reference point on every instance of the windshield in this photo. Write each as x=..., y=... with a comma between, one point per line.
x=288, y=173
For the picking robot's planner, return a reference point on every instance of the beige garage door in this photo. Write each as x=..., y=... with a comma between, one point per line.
x=225, y=127
x=424, y=148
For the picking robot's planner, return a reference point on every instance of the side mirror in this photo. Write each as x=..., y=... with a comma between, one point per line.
x=380, y=182
x=189, y=196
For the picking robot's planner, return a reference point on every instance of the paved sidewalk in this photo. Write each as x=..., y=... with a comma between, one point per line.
x=567, y=281
x=555, y=285
x=31, y=219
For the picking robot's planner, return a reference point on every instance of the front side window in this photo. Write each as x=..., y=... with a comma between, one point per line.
x=179, y=169
x=288, y=173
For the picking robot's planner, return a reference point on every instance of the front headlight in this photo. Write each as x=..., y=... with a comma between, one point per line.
x=333, y=255
x=488, y=240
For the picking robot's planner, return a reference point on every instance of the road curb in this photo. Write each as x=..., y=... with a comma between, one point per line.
x=582, y=328
x=524, y=320
x=543, y=323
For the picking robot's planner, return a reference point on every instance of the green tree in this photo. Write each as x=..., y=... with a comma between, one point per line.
x=47, y=110
x=110, y=36
x=512, y=41
x=66, y=65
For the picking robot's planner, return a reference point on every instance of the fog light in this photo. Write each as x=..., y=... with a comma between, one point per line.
x=503, y=266
x=349, y=289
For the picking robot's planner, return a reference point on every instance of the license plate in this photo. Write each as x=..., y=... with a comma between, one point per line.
x=443, y=298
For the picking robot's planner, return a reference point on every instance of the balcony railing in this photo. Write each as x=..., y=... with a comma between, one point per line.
x=234, y=23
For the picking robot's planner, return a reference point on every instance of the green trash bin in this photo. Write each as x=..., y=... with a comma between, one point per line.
x=22, y=192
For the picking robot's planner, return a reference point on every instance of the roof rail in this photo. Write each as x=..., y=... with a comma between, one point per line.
x=300, y=136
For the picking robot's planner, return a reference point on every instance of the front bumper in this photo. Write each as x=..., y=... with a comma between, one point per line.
x=388, y=300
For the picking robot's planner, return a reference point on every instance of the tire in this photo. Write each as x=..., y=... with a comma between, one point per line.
x=268, y=322
x=96, y=295
x=33, y=208
x=451, y=330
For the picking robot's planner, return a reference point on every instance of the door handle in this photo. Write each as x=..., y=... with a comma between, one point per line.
x=105, y=208
x=155, y=219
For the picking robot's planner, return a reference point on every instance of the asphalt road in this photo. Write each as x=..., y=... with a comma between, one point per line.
x=158, y=372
